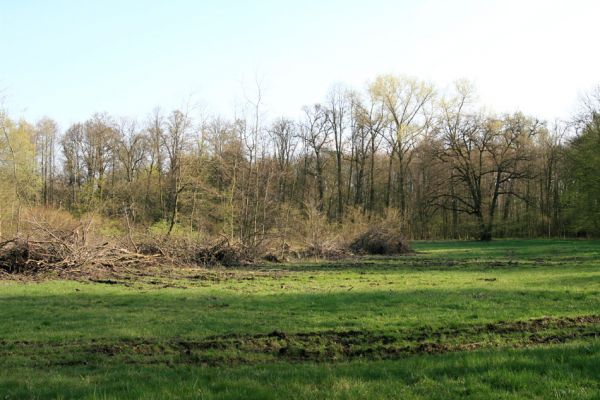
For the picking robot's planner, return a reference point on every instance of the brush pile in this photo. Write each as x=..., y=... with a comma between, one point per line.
x=48, y=251
x=52, y=241
x=380, y=240
x=70, y=256
x=203, y=253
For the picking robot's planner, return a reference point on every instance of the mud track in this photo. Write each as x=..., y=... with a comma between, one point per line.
x=323, y=346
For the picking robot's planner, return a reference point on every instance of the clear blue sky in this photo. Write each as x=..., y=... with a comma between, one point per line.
x=68, y=59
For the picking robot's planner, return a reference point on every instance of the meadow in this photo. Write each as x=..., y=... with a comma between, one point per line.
x=506, y=319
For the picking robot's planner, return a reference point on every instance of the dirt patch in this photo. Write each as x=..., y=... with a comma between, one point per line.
x=110, y=282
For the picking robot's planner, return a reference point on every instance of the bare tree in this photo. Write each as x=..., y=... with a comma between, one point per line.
x=175, y=141
x=367, y=123
x=484, y=156
x=316, y=136
x=98, y=145
x=46, y=134
x=284, y=136
x=131, y=151
x=337, y=108
x=156, y=131
x=405, y=101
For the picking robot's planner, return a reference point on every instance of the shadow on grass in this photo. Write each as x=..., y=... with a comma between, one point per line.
x=188, y=313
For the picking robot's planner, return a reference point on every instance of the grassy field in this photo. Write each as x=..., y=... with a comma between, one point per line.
x=502, y=320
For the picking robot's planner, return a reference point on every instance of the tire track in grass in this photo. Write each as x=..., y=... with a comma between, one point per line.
x=321, y=346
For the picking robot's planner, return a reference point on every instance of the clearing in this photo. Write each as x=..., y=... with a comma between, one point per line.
x=506, y=319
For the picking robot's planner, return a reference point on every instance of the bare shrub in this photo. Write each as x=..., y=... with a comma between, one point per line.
x=319, y=237
x=355, y=222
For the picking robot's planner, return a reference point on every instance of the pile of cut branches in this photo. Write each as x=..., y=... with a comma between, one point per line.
x=328, y=250
x=223, y=253
x=380, y=240
x=68, y=247
x=29, y=256
x=204, y=253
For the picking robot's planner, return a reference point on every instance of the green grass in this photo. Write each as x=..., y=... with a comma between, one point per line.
x=451, y=321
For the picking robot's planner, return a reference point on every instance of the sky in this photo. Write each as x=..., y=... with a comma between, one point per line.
x=69, y=59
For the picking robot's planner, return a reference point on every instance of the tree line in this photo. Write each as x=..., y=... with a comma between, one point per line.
x=438, y=163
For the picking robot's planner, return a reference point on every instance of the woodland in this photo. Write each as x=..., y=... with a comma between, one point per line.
x=433, y=164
